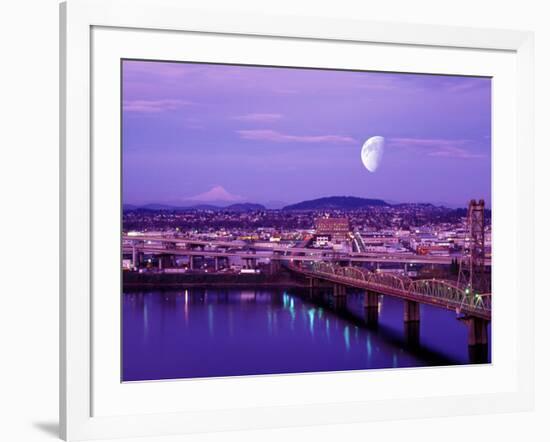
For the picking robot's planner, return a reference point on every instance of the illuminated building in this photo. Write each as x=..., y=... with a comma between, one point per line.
x=337, y=228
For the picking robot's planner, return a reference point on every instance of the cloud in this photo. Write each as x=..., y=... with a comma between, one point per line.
x=468, y=84
x=166, y=70
x=377, y=82
x=193, y=123
x=437, y=147
x=422, y=83
x=258, y=117
x=278, y=137
x=286, y=91
x=455, y=152
x=153, y=106
x=217, y=193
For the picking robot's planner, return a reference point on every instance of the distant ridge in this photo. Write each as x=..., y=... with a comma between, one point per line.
x=337, y=203
x=325, y=203
x=425, y=205
x=237, y=207
x=244, y=207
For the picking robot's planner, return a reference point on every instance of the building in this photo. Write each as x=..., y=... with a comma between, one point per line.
x=321, y=240
x=378, y=239
x=337, y=228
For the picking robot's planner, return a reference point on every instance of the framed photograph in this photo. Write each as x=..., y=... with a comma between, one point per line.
x=276, y=221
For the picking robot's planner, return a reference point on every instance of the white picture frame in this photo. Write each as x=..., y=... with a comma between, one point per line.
x=77, y=369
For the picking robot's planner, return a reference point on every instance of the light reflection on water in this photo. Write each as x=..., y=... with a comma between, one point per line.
x=228, y=332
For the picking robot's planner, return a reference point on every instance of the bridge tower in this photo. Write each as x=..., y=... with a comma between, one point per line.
x=472, y=266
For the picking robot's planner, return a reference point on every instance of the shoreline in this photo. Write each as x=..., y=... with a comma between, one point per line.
x=136, y=281
x=175, y=285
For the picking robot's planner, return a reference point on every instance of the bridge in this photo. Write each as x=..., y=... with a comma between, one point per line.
x=171, y=245
x=165, y=254
x=475, y=308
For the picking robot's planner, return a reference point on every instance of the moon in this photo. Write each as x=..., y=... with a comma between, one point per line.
x=372, y=152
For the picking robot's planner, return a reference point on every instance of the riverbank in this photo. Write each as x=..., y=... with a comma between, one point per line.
x=136, y=281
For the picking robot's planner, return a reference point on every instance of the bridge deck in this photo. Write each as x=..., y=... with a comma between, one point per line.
x=299, y=253
x=432, y=292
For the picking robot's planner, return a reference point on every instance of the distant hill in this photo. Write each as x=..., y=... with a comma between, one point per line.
x=421, y=205
x=337, y=203
x=275, y=204
x=244, y=207
x=199, y=207
x=238, y=207
x=157, y=207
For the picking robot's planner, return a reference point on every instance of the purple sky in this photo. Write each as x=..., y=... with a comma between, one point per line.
x=205, y=132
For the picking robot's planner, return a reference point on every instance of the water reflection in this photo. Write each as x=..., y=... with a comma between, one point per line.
x=346, y=337
x=225, y=332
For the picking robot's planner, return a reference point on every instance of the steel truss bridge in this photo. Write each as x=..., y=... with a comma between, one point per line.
x=439, y=293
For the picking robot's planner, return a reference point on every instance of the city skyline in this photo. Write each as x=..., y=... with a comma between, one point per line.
x=230, y=134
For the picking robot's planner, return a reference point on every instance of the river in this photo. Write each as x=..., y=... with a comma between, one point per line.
x=198, y=332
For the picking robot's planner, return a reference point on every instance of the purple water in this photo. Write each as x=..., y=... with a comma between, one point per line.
x=192, y=333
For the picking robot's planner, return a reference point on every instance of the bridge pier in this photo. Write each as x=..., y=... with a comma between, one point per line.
x=339, y=290
x=137, y=254
x=412, y=333
x=249, y=263
x=165, y=261
x=274, y=266
x=371, y=316
x=371, y=300
x=478, y=354
x=223, y=260
x=137, y=257
x=339, y=302
x=411, y=311
x=478, y=341
x=370, y=304
x=191, y=262
x=477, y=331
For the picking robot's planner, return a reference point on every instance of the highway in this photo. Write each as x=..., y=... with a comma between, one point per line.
x=248, y=250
